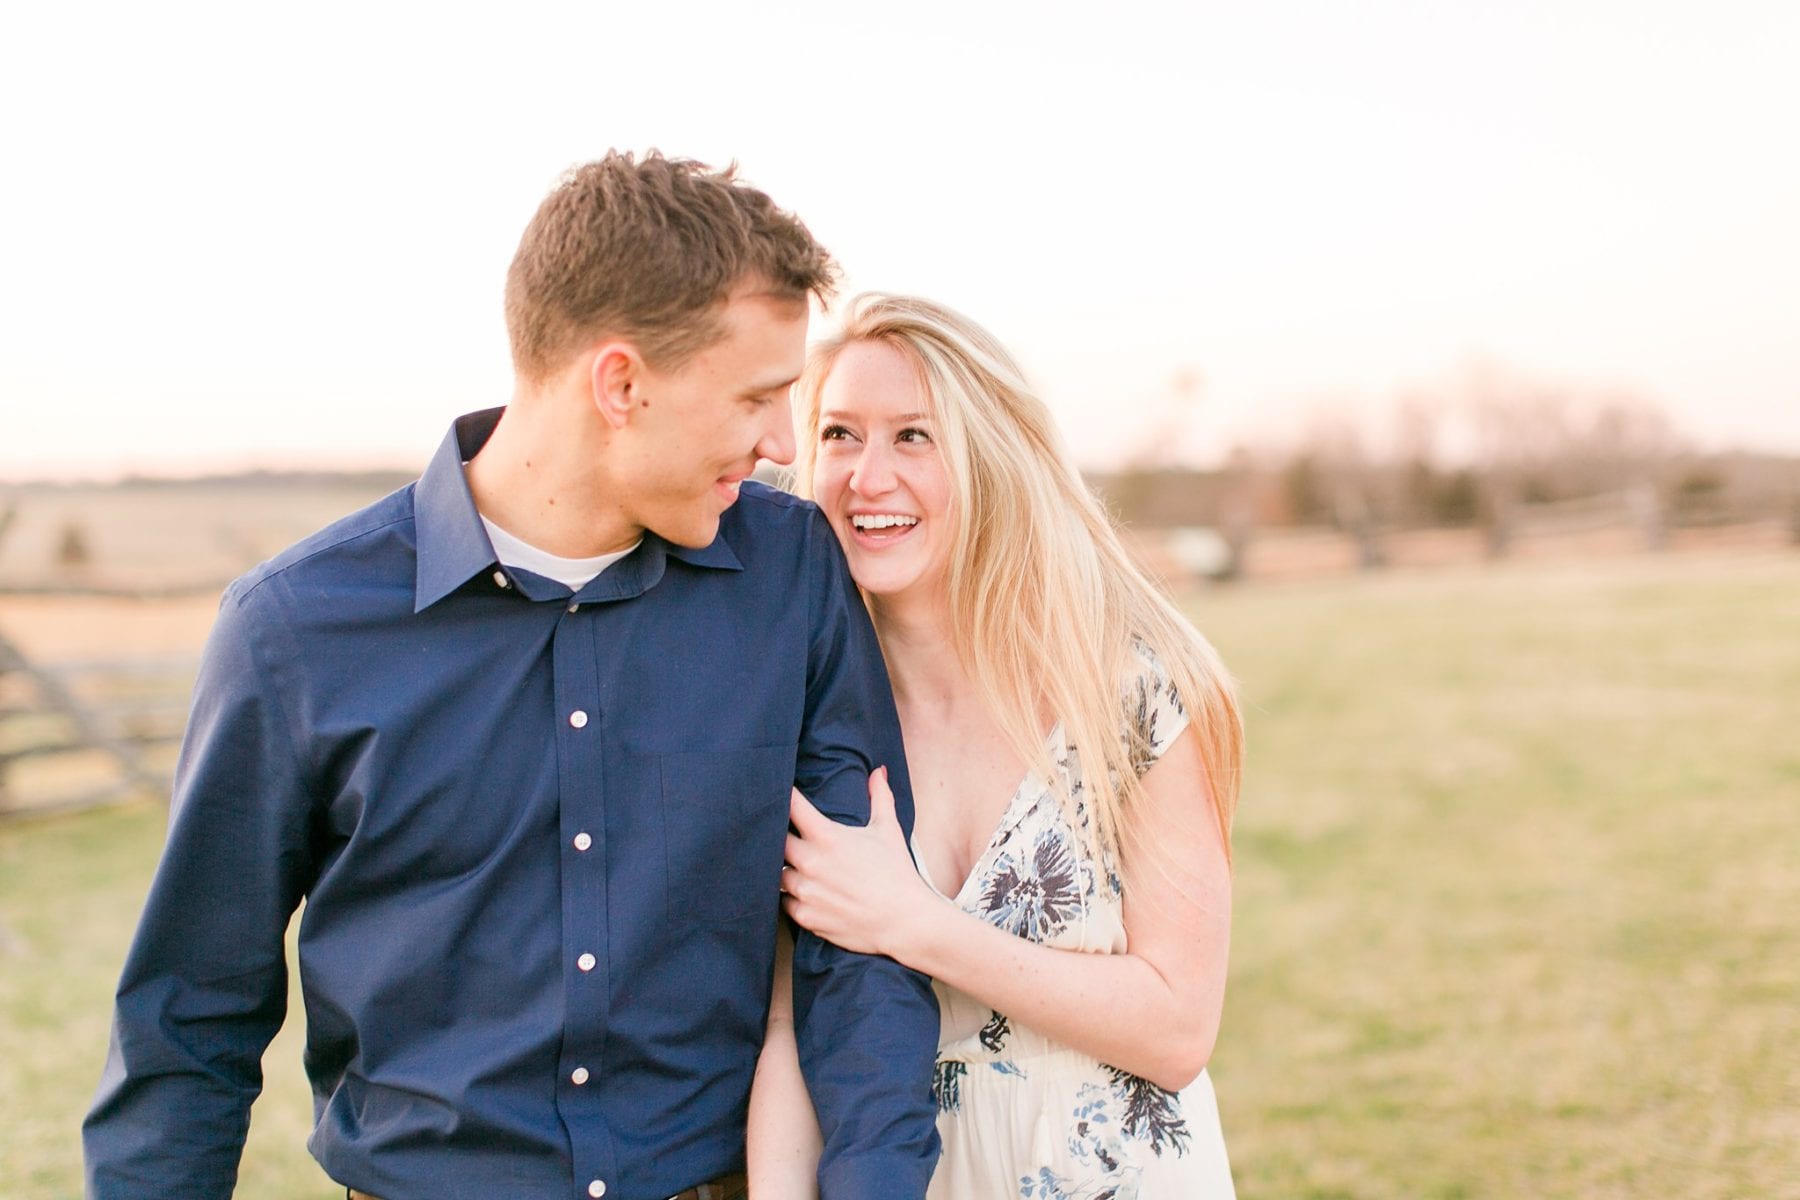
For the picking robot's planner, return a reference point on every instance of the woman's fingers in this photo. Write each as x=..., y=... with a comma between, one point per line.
x=842, y=882
x=805, y=915
x=812, y=823
x=881, y=799
x=807, y=819
x=796, y=853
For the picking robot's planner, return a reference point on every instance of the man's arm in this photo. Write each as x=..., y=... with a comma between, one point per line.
x=866, y=1026
x=205, y=983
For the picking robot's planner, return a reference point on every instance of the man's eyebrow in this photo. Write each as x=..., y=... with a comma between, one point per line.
x=757, y=389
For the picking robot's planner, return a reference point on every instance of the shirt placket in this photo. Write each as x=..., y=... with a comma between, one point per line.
x=581, y=780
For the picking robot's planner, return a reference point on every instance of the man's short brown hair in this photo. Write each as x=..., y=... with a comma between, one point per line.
x=649, y=250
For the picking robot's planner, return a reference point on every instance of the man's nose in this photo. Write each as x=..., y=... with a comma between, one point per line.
x=777, y=441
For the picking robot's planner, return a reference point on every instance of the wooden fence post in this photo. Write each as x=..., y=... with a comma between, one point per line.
x=91, y=732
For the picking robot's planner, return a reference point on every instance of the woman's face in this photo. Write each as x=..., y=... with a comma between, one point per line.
x=879, y=475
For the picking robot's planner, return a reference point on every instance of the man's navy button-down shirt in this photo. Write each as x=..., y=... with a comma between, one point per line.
x=538, y=836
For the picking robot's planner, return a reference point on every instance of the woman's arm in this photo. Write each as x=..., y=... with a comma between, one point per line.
x=1153, y=1011
x=782, y=1143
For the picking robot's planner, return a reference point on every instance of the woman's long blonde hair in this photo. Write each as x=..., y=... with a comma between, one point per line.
x=1046, y=604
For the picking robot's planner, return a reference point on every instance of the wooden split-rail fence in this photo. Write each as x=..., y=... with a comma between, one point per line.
x=82, y=734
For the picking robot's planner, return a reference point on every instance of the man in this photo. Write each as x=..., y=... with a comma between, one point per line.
x=522, y=736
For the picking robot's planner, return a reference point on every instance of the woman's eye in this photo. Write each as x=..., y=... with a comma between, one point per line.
x=833, y=433
x=914, y=436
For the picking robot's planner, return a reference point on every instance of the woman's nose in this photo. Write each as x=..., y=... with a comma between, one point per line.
x=874, y=474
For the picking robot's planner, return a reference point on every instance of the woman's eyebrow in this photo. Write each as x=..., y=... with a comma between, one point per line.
x=832, y=414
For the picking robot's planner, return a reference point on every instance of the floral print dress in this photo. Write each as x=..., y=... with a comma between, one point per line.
x=1021, y=1115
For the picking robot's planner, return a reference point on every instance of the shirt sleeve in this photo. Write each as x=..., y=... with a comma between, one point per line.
x=867, y=1027
x=204, y=986
x=1154, y=711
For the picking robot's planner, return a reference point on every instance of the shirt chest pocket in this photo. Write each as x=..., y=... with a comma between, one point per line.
x=724, y=816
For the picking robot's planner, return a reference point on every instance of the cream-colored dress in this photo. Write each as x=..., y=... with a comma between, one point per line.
x=1021, y=1115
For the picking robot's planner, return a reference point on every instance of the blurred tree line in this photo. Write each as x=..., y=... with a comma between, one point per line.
x=1490, y=450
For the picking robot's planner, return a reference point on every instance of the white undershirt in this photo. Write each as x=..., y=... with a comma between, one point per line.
x=574, y=573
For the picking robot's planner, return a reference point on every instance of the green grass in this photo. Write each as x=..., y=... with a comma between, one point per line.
x=1518, y=863
x=69, y=894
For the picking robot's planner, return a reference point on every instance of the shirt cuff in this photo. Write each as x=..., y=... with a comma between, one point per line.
x=879, y=1175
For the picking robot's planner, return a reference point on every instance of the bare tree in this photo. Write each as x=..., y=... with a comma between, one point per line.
x=72, y=550
x=1335, y=475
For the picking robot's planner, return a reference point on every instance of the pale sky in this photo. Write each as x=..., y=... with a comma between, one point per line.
x=237, y=235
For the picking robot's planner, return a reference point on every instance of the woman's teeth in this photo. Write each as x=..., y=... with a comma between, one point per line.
x=883, y=521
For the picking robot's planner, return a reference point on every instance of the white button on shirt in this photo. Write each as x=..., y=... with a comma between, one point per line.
x=597, y=1189
x=578, y=719
x=586, y=962
x=578, y=1076
x=583, y=841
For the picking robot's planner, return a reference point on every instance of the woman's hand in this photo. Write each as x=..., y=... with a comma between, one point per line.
x=855, y=887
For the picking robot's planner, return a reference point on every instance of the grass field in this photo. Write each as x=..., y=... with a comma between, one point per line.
x=1518, y=869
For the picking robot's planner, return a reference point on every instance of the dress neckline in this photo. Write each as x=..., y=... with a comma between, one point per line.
x=1009, y=816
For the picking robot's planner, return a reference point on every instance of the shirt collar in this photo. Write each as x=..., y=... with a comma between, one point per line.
x=453, y=547
x=717, y=554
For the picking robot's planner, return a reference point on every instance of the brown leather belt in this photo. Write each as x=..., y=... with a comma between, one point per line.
x=726, y=1187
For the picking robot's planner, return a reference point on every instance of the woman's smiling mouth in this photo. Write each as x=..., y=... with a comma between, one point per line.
x=882, y=526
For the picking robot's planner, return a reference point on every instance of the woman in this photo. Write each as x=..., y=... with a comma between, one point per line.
x=1074, y=748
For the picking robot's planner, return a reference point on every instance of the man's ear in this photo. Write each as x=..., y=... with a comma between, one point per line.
x=616, y=377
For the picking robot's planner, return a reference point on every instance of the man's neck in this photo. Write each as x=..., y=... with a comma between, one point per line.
x=542, y=477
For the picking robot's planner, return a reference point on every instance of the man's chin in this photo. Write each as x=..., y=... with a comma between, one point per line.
x=695, y=535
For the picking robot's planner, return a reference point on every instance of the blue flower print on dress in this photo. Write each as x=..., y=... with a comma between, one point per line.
x=1150, y=697
x=1048, y=1185
x=1034, y=896
x=1152, y=1113
x=1097, y=1133
x=946, y=1084
x=1102, y=1167
x=1104, y=1127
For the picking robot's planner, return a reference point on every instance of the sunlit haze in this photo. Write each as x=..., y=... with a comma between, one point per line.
x=239, y=236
